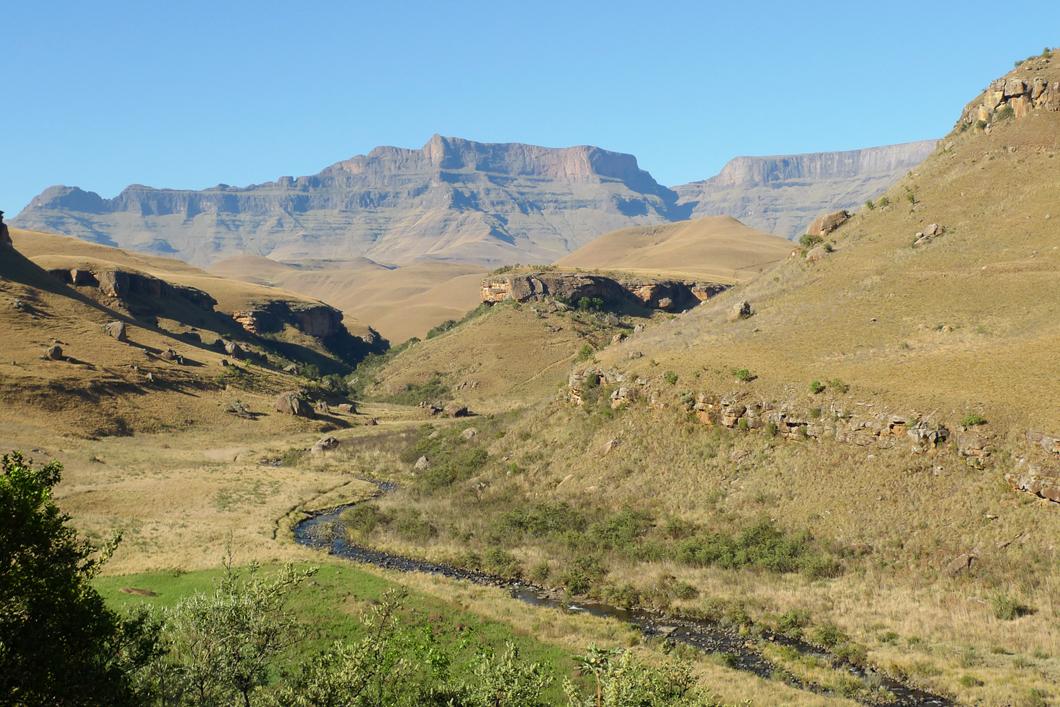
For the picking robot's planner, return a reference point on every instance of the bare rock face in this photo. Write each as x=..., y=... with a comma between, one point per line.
x=475, y=202
x=782, y=194
x=313, y=319
x=5, y=236
x=293, y=403
x=1013, y=96
x=824, y=225
x=666, y=295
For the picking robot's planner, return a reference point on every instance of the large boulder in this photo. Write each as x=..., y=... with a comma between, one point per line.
x=456, y=410
x=294, y=403
x=325, y=444
x=116, y=330
x=54, y=353
x=740, y=310
x=823, y=225
x=5, y=236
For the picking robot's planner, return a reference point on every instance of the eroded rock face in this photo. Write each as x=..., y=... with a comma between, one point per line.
x=1014, y=96
x=136, y=291
x=317, y=320
x=666, y=295
x=5, y=236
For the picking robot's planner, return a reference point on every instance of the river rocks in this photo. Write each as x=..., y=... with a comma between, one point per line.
x=740, y=310
x=116, y=330
x=293, y=403
x=422, y=464
x=824, y=225
x=324, y=445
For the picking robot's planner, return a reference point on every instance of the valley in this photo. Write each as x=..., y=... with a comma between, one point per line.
x=498, y=424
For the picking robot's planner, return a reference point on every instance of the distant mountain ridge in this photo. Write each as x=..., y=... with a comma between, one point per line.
x=461, y=201
x=782, y=194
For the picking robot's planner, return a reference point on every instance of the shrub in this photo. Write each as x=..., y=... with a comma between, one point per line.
x=1008, y=608
x=501, y=563
x=590, y=304
x=432, y=390
x=582, y=573
x=829, y=635
x=883, y=202
x=441, y=328
x=838, y=385
x=585, y=353
x=670, y=377
x=743, y=375
x=816, y=387
x=762, y=545
x=361, y=520
x=970, y=681
x=771, y=429
x=870, y=205
x=409, y=524
x=809, y=240
x=973, y=419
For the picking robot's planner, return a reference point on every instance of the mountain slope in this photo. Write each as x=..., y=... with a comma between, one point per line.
x=451, y=200
x=717, y=248
x=459, y=200
x=783, y=194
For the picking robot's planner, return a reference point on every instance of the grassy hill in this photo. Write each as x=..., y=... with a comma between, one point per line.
x=716, y=248
x=927, y=564
x=399, y=302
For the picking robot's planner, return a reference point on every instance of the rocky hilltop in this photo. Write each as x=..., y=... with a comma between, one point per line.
x=782, y=194
x=451, y=200
x=458, y=200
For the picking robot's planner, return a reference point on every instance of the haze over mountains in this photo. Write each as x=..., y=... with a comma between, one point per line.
x=463, y=201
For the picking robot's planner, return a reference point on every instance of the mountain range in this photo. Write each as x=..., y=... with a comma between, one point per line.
x=463, y=201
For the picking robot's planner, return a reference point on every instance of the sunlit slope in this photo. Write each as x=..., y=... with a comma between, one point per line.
x=717, y=248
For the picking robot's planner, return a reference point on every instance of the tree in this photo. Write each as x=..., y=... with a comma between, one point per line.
x=59, y=643
x=220, y=645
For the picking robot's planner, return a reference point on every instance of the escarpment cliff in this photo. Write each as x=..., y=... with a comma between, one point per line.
x=599, y=290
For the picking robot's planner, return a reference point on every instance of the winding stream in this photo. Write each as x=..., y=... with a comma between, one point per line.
x=323, y=531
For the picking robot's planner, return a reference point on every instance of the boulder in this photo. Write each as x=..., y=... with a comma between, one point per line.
x=233, y=349
x=348, y=408
x=960, y=564
x=1015, y=87
x=456, y=410
x=321, y=408
x=54, y=353
x=171, y=356
x=239, y=409
x=817, y=254
x=116, y=330
x=422, y=464
x=324, y=445
x=823, y=225
x=293, y=403
x=610, y=445
x=741, y=310
x=469, y=433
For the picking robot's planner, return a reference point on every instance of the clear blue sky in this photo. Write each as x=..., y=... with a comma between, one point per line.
x=190, y=94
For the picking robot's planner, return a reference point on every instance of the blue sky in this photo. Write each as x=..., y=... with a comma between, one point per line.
x=190, y=94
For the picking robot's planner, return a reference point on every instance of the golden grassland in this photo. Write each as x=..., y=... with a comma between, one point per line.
x=715, y=248
x=399, y=302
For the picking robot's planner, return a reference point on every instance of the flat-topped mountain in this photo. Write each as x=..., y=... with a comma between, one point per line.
x=783, y=193
x=463, y=201
x=451, y=200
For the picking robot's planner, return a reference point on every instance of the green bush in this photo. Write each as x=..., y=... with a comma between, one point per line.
x=763, y=546
x=828, y=635
x=441, y=328
x=816, y=387
x=585, y=353
x=360, y=521
x=973, y=419
x=670, y=377
x=743, y=375
x=838, y=385
x=1008, y=608
x=883, y=202
x=409, y=524
x=582, y=573
x=809, y=240
x=590, y=304
x=870, y=205
x=434, y=389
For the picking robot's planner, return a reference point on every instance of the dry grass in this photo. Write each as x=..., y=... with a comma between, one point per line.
x=715, y=248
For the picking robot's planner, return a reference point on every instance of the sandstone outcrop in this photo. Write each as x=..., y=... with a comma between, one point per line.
x=666, y=295
x=1015, y=95
x=824, y=225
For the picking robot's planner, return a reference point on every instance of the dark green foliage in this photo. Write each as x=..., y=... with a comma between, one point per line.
x=452, y=458
x=433, y=390
x=973, y=419
x=816, y=387
x=361, y=520
x=743, y=375
x=809, y=240
x=670, y=377
x=883, y=202
x=585, y=353
x=838, y=385
x=59, y=643
x=870, y=205
x=590, y=304
x=762, y=546
x=410, y=524
x=441, y=328
x=1008, y=608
